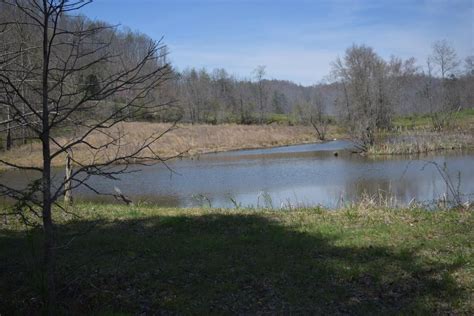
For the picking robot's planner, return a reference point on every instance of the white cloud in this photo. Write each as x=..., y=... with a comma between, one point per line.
x=302, y=52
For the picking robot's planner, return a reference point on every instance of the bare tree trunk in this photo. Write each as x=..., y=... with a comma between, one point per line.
x=23, y=128
x=67, y=182
x=48, y=259
x=242, y=117
x=48, y=255
x=320, y=131
x=346, y=98
x=260, y=101
x=8, y=138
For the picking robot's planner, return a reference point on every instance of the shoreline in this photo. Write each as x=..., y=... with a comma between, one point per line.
x=205, y=152
x=188, y=140
x=257, y=148
x=191, y=141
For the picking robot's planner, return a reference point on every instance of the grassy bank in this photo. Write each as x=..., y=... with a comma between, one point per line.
x=460, y=120
x=117, y=259
x=191, y=139
x=415, y=135
x=422, y=142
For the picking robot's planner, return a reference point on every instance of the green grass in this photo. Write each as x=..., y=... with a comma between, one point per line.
x=281, y=119
x=415, y=135
x=464, y=118
x=412, y=121
x=118, y=260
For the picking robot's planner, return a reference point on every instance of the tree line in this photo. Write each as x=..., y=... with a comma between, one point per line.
x=361, y=86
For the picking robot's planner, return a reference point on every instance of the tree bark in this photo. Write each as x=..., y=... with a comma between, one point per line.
x=48, y=256
x=67, y=182
x=8, y=137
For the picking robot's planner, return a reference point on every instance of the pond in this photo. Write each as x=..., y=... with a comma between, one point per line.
x=301, y=175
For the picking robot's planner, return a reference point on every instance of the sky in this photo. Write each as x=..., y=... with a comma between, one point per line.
x=295, y=39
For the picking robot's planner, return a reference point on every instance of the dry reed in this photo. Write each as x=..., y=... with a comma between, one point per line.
x=188, y=139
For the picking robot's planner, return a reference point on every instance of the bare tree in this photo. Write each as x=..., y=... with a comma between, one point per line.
x=469, y=65
x=259, y=74
x=362, y=74
x=245, y=104
x=318, y=118
x=442, y=93
x=371, y=90
x=467, y=83
x=62, y=50
x=444, y=58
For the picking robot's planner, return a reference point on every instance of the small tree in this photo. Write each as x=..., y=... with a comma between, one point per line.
x=444, y=58
x=279, y=102
x=318, y=118
x=469, y=66
x=259, y=74
x=63, y=49
x=363, y=75
x=442, y=92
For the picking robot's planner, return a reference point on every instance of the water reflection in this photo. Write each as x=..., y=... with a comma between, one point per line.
x=297, y=175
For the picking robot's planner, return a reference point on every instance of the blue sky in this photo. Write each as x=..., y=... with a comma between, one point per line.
x=295, y=39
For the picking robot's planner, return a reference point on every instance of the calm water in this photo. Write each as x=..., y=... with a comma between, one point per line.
x=297, y=175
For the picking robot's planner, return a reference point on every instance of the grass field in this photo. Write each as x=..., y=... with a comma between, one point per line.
x=118, y=260
x=462, y=119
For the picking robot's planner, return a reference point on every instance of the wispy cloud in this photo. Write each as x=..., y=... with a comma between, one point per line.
x=297, y=64
x=296, y=39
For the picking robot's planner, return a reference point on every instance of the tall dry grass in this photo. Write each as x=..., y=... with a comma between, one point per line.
x=187, y=139
x=421, y=142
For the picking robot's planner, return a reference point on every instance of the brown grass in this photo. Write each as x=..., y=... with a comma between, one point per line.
x=191, y=139
x=421, y=142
